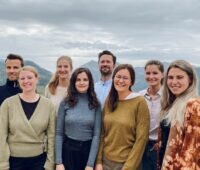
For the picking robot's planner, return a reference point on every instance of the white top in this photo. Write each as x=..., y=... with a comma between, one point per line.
x=154, y=106
x=61, y=93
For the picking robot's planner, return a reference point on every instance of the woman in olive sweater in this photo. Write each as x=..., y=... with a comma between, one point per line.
x=27, y=127
x=125, y=125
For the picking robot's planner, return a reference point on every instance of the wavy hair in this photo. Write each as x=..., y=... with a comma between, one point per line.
x=72, y=96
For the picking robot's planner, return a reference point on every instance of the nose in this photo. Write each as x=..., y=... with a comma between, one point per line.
x=121, y=79
x=174, y=81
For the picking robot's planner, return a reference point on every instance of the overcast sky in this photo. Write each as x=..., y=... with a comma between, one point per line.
x=134, y=30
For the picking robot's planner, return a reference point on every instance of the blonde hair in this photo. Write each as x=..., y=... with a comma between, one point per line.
x=54, y=81
x=172, y=107
x=31, y=69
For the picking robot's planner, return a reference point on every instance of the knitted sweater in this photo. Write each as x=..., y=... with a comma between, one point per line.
x=125, y=132
x=79, y=123
x=20, y=137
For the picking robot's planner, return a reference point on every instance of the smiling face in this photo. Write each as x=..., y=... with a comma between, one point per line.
x=28, y=81
x=106, y=64
x=12, y=69
x=63, y=69
x=178, y=81
x=153, y=75
x=82, y=82
x=122, y=81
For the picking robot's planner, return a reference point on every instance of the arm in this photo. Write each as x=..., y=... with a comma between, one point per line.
x=4, y=126
x=142, y=134
x=49, y=164
x=95, y=139
x=184, y=142
x=60, y=133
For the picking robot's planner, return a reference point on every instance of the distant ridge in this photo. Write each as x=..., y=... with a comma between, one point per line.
x=45, y=75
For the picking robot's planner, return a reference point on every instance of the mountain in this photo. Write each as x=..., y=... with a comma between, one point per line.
x=93, y=66
x=44, y=74
x=140, y=83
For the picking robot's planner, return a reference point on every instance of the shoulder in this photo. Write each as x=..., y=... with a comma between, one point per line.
x=11, y=100
x=143, y=92
x=2, y=87
x=193, y=105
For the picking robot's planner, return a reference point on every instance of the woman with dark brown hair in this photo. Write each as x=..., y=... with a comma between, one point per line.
x=125, y=124
x=78, y=124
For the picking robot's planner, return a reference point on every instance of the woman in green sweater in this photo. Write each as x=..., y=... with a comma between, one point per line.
x=125, y=125
x=27, y=127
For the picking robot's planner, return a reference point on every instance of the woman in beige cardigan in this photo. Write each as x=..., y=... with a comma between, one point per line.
x=27, y=127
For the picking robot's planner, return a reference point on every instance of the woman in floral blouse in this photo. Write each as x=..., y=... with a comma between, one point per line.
x=180, y=119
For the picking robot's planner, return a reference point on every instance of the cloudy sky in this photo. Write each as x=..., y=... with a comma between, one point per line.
x=134, y=30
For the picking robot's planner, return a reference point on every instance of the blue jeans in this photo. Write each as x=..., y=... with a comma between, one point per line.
x=149, y=160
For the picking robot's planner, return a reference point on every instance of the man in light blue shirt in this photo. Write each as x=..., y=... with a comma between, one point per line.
x=106, y=61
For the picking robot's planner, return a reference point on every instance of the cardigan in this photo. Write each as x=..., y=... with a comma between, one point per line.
x=56, y=99
x=20, y=137
x=125, y=132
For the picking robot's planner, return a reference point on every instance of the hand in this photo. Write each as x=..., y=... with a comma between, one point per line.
x=88, y=168
x=98, y=167
x=60, y=167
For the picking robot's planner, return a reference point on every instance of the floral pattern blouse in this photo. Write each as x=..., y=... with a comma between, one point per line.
x=183, y=147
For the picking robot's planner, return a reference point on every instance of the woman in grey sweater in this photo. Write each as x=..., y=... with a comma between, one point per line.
x=78, y=124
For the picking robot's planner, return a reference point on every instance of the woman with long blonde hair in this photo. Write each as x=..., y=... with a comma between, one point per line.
x=57, y=87
x=180, y=119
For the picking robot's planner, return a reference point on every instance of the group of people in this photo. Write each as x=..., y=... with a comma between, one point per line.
x=82, y=125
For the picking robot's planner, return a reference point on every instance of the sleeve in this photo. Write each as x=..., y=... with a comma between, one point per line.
x=46, y=92
x=95, y=139
x=183, y=149
x=4, y=126
x=60, y=132
x=142, y=135
x=100, y=151
x=49, y=164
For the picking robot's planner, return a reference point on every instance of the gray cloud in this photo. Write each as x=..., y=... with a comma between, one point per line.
x=131, y=29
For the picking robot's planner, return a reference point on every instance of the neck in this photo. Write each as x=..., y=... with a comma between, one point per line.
x=29, y=96
x=153, y=90
x=63, y=82
x=123, y=95
x=105, y=78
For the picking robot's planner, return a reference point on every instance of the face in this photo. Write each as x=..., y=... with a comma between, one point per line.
x=63, y=69
x=122, y=81
x=82, y=82
x=27, y=81
x=106, y=64
x=12, y=69
x=177, y=81
x=153, y=75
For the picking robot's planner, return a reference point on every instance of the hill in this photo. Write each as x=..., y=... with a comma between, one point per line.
x=140, y=83
x=45, y=75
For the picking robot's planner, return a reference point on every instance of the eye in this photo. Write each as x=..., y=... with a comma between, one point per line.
x=170, y=77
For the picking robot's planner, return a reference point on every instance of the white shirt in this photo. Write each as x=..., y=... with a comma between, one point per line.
x=154, y=106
